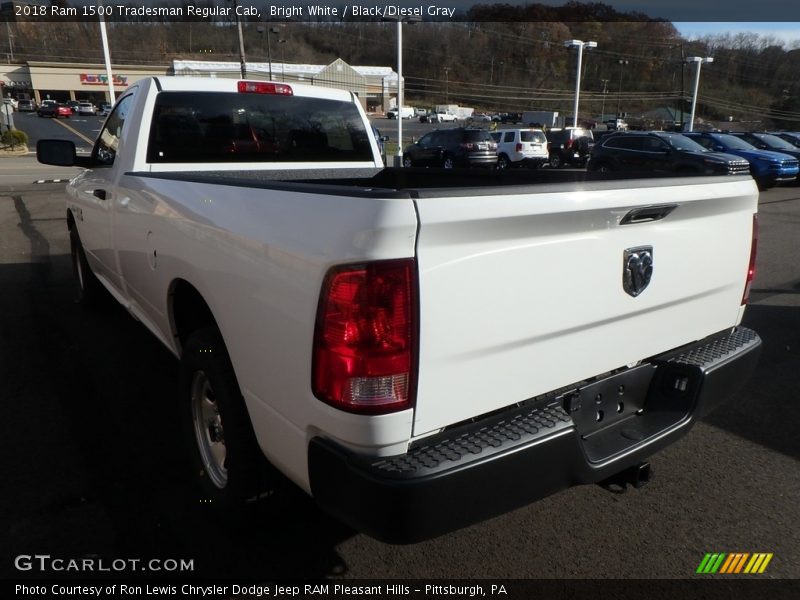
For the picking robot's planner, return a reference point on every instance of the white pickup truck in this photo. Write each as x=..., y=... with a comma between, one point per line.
x=417, y=349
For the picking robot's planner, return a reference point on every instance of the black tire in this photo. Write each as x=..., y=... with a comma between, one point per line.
x=448, y=162
x=764, y=184
x=89, y=292
x=407, y=162
x=224, y=455
x=600, y=166
x=503, y=162
x=555, y=161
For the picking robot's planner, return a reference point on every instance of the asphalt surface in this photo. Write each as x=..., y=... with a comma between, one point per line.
x=93, y=454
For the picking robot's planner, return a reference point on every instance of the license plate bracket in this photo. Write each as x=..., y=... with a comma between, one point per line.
x=608, y=401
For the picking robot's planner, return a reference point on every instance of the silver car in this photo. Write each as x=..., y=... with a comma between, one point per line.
x=86, y=108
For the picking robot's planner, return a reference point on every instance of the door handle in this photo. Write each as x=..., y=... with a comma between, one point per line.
x=101, y=194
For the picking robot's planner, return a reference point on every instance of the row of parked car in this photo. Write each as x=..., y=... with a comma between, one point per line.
x=504, y=148
x=769, y=158
x=51, y=108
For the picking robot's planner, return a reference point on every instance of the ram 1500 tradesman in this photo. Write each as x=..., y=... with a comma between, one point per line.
x=417, y=349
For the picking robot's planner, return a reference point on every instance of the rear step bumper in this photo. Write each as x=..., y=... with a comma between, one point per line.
x=506, y=460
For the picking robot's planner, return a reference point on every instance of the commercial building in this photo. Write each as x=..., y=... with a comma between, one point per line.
x=376, y=87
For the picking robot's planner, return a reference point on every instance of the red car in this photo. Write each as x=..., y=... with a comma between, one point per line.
x=53, y=109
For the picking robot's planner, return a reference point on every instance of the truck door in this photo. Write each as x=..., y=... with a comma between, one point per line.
x=95, y=190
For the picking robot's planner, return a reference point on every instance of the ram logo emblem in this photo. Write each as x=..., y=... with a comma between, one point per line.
x=637, y=269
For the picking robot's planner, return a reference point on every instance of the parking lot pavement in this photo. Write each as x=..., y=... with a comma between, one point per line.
x=93, y=453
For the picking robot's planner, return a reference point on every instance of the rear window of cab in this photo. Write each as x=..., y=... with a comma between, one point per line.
x=202, y=127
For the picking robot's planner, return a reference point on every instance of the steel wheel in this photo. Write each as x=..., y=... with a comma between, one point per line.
x=89, y=292
x=555, y=161
x=407, y=161
x=447, y=162
x=208, y=430
x=502, y=162
x=223, y=453
x=77, y=265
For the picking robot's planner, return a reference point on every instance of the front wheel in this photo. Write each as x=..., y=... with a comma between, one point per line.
x=225, y=456
x=764, y=184
x=555, y=161
x=407, y=162
x=89, y=292
x=600, y=167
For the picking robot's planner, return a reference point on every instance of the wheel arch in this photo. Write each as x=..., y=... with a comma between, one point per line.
x=188, y=312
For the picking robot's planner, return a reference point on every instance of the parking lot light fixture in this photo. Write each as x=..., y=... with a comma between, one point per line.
x=699, y=60
x=398, y=159
x=622, y=62
x=580, y=45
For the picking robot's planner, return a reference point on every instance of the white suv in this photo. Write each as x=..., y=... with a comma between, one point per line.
x=518, y=147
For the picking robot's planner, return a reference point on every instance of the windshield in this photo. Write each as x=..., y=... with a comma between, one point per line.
x=733, y=142
x=476, y=135
x=774, y=141
x=681, y=142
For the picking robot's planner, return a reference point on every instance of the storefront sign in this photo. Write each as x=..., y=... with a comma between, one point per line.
x=89, y=79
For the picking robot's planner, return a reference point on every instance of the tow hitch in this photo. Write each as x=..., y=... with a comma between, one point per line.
x=637, y=476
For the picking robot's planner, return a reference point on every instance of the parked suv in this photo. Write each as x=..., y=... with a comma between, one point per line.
x=448, y=148
x=790, y=136
x=766, y=141
x=570, y=145
x=662, y=151
x=766, y=167
x=26, y=106
x=520, y=147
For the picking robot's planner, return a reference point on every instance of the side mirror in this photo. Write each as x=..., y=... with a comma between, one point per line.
x=60, y=153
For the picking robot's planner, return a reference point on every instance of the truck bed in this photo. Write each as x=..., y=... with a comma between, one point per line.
x=380, y=182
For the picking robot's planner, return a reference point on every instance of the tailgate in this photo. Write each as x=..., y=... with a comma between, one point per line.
x=522, y=293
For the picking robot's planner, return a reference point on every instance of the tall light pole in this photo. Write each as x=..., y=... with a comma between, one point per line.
x=580, y=45
x=699, y=60
x=242, y=59
x=622, y=62
x=281, y=43
x=266, y=31
x=398, y=158
x=107, y=57
x=603, y=106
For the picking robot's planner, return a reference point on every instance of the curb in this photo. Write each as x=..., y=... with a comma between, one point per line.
x=22, y=151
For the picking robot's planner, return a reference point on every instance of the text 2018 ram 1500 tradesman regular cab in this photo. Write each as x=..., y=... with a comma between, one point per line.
x=417, y=349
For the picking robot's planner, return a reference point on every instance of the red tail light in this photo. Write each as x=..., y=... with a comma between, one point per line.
x=365, y=338
x=751, y=269
x=568, y=145
x=264, y=87
x=467, y=146
x=519, y=147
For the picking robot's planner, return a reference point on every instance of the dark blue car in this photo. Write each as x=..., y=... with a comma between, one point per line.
x=767, y=141
x=766, y=166
x=792, y=137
